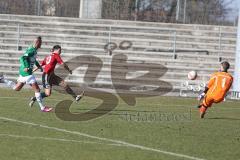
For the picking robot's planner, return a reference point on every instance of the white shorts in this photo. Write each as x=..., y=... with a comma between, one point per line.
x=27, y=79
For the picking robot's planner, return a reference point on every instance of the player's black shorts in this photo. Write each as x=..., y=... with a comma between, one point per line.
x=50, y=79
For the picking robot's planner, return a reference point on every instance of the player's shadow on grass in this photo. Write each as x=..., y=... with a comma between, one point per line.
x=114, y=112
x=224, y=118
x=120, y=110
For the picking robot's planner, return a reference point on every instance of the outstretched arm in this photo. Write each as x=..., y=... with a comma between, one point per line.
x=205, y=90
x=67, y=68
x=35, y=69
x=202, y=95
x=60, y=61
x=38, y=66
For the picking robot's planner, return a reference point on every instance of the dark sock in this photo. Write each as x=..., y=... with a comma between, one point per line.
x=43, y=95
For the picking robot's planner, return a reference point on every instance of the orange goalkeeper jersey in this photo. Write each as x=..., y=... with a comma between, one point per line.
x=219, y=84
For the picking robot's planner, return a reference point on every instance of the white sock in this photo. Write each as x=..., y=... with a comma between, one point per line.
x=10, y=84
x=39, y=100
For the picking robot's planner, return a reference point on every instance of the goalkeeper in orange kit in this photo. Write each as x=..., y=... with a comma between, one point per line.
x=217, y=88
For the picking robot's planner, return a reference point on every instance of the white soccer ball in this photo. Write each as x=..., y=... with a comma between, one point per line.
x=192, y=75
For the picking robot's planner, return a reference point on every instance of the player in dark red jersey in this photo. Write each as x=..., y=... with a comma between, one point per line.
x=49, y=78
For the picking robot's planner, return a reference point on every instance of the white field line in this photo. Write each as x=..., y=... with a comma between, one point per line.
x=57, y=139
x=103, y=139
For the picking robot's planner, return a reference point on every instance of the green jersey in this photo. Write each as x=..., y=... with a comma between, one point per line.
x=28, y=60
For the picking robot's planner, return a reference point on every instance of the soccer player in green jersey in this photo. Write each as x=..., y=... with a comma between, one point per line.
x=27, y=61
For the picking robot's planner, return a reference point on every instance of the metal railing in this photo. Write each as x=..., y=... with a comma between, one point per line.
x=173, y=34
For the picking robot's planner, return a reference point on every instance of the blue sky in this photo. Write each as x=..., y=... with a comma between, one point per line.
x=234, y=5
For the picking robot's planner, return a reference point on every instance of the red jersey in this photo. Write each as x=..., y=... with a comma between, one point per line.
x=50, y=62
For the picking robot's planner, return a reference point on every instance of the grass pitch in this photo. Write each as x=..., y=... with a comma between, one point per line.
x=166, y=128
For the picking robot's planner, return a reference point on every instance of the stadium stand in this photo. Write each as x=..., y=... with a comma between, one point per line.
x=179, y=47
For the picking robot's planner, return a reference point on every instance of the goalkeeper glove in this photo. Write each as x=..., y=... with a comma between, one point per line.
x=201, y=96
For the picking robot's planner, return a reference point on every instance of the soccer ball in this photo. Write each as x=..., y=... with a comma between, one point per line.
x=192, y=75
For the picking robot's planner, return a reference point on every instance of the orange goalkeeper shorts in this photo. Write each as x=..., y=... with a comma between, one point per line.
x=209, y=100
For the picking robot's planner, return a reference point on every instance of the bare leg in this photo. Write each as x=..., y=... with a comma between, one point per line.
x=18, y=86
x=48, y=91
x=38, y=96
x=67, y=89
x=45, y=94
x=13, y=85
x=56, y=80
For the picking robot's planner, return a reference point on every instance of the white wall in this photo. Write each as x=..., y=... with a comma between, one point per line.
x=90, y=9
